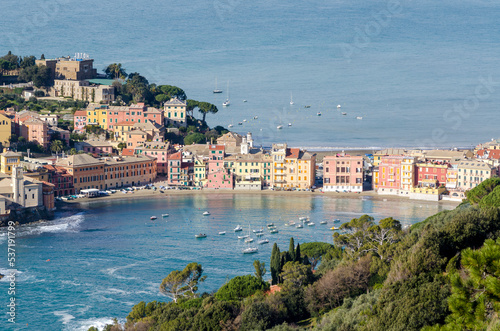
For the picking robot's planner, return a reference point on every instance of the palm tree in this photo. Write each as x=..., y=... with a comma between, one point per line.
x=56, y=146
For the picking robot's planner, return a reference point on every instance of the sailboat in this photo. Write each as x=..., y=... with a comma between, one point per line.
x=248, y=240
x=216, y=90
x=227, y=103
x=291, y=99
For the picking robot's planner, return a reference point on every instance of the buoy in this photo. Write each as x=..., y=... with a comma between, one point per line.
x=48, y=260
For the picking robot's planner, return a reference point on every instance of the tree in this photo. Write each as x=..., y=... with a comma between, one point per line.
x=275, y=264
x=205, y=108
x=73, y=151
x=56, y=146
x=13, y=138
x=115, y=71
x=42, y=57
x=27, y=61
x=138, y=87
x=39, y=75
x=296, y=275
x=387, y=232
x=182, y=283
x=171, y=92
x=190, y=106
x=194, y=138
x=241, y=287
x=122, y=145
x=315, y=251
x=260, y=269
x=193, y=272
x=475, y=298
x=298, y=254
x=291, y=250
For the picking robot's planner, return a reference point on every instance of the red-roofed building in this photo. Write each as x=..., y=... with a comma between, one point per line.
x=61, y=179
x=293, y=168
x=174, y=169
x=128, y=152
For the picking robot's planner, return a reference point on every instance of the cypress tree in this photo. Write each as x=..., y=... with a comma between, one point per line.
x=306, y=260
x=282, y=263
x=297, y=253
x=275, y=264
x=291, y=250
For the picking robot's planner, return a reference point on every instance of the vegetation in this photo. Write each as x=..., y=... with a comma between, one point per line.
x=442, y=274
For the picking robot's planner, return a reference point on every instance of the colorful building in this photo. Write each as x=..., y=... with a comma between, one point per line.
x=37, y=132
x=8, y=161
x=472, y=172
x=158, y=150
x=80, y=121
x=343, y=173
x=293, y=168
x=389, y=172
x=432, y=174
x=175, y=112
x=5, y=130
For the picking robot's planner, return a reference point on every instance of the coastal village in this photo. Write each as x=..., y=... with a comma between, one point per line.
x=126, y=147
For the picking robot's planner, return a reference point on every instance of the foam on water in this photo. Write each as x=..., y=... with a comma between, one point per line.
x=84, y=325
x=64, y=224
x=65, y=316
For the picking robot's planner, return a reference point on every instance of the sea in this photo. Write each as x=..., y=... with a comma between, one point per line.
x=406, y=73
x=96, y=260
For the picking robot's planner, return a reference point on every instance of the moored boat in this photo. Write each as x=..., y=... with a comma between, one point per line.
x=200, y=235
x=153, y=218
x=263, y=241
x=238, y=228
x=250, y=250
x=164, y=215
x=206, y=213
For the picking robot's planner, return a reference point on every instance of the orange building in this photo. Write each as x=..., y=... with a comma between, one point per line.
x=390, y=174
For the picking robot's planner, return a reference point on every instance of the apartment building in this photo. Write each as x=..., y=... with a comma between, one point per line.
x=343, y=173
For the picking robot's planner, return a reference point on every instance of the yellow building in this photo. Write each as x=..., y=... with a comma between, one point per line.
x=5, y=130
x=175, y=112
x=97, y=116
x=251, y=171
x=408, y=177
x=121, y=130
x=200, y=171
x=292, y=167
x=9, y=160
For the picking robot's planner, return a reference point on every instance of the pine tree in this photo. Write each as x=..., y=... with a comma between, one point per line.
x=275, y=264
x=306, y=260
x=291, y=250
x=297, y=253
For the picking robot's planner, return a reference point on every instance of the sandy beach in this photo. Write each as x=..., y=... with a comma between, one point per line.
x=151, y=194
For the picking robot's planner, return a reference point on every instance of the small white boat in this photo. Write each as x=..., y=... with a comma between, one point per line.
x=239, y=123
x=226, y=103
x=244, y=236
x=318, y=113
x=299, y=226
x=344, y=113
x=206, y=213
x=153, y=218
x=311, y=224
x=303, y=218
x=359, y=117
x=291, y=99
x=230, y=126
x=279, y=127
x=255, y=117
x=164, y=215
x=263, y=241
x=238, y=228
x=259, y=234
x=250, y=250
x=258, y=231
x=274, y=230
x=200, y=235
x=289, y=124
x=244, y=120
x=216, y=89
x=244, y=101
x=249, y=240
x=323, y=222
x=222, y=233
x=339, y=106
x=270, y=225
x=336, y=221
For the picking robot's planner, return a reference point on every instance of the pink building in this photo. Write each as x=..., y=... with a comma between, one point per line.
x=174, y=168
x=218, y=177
x=80, y=121
x=343, y=173
x=96, y=147
x=136, y=138
x=159, y=150
x=37, y=131
x=137, y=113
x=390, y=174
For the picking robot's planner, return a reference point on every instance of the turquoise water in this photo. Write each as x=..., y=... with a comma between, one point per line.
x=94, y=262
x=414, y=70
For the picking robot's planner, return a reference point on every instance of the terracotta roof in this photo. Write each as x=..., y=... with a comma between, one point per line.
x=124, y=123
x=128, y=152
x=491, y=153
x=292, y=153
x=175, y=156
x=80, y=113
x=216, y=147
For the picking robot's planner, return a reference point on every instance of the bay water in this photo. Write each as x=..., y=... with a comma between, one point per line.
x=96, y=260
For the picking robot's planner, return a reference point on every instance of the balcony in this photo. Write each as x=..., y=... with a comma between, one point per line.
x=279, y=167
x=407, y=175
x=283, y=174
x=279, y=181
